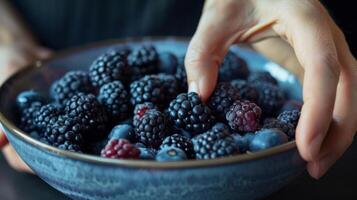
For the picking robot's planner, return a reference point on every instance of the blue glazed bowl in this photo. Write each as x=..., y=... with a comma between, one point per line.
x=80, y=176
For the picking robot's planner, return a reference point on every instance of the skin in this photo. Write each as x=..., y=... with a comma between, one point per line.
x=297, y=34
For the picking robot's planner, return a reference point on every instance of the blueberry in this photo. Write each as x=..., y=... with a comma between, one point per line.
x=170, y=154
x=243, y=141
x=26, y=98
x=122, y=131
x=168, y=63
x=147, y=153
x=267, y=138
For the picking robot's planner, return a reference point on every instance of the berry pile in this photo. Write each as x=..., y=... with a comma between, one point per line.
x=133, y=104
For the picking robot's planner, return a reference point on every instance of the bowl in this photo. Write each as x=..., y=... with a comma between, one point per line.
x=81, y=176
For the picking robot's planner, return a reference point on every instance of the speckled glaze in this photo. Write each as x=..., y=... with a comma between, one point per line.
x=241, y=177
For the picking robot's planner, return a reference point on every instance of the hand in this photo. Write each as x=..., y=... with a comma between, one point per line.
x=13, y=57
x=304, y=34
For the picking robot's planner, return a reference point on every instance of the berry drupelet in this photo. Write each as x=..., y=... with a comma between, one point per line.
x=290, y=116
x=246, y=90
x=189, y=113
x=180, y=142
x=143, y=61
x=120, y=149
x=222, y=98
x=244, y=116
x=233, y=67
x=151, y=128
x=109, y=67
x=89, y=113
x=71, y=83
x=115, y=100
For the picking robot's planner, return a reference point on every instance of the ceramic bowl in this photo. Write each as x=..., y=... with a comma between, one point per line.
x=80, y=176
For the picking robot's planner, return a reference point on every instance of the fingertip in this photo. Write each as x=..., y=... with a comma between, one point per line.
x=314, y=169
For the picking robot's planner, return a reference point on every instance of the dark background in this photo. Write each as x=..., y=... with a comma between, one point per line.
x=81, y=24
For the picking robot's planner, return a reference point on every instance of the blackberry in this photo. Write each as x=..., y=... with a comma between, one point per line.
x=45, y=115
x=120, y=149
x=168, y=62
x=143, y=61
x=115, y=100
x=87, y=110
x=271, y=98
x=233, y=67
x=181, y=75
x=170, y=154
x=189, y=113
x=290, y=116
x=261, y=76
x=26, y=98
x=180, y=142
x=244, y=116
x=65, y=133
x=109, y=67
x=287, y=128
x=71, y=83
x=214, y=144
x=147, y=89
x=222, y=98
x=141, y=109
x=170, y=84
x=221, y=128
x=246, y=90
x=28, y=115
x=150, y=129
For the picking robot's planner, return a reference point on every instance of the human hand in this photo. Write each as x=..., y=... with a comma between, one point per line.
x=304, y=34
x=13, y=57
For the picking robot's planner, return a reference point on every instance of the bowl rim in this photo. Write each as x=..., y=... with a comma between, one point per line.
x=18, y=133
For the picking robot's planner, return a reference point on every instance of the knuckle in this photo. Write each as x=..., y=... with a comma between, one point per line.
x=330, y=63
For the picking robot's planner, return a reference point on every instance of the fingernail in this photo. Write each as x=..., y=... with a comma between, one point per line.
x=193, y=87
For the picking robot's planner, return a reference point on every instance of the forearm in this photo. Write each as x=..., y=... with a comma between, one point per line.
x=12, y=27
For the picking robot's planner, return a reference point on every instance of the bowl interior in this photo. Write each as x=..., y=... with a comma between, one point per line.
x=40, y=75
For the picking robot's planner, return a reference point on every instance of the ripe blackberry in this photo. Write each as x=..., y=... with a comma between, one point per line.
x=180, y=142
x=189, y=113
x=168, y=62
x=120, y=149
x=65, y=133
x=170, y=154
x=244, y=116
x=87, y=110
x=181, y=75
x=143, y=61
x=27, y=121
x=271, y=98
x=45, y=115
x=214, y=144
x=150, y=129
x=233, y=67
x=287, y=128
x=109, y=67
x=171, y=86
x=222, y=98
x=261, y=76
x=115, y=100
x=141, y=109
x=26, y=98
x=147, y=89
x=290, y=116
x=246, y=90
x=70, y=84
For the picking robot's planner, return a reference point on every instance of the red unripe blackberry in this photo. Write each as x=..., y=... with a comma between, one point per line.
x=244, y=116
x=120, y=149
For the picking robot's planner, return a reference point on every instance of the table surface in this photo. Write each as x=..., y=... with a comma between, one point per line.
x=337, y=184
